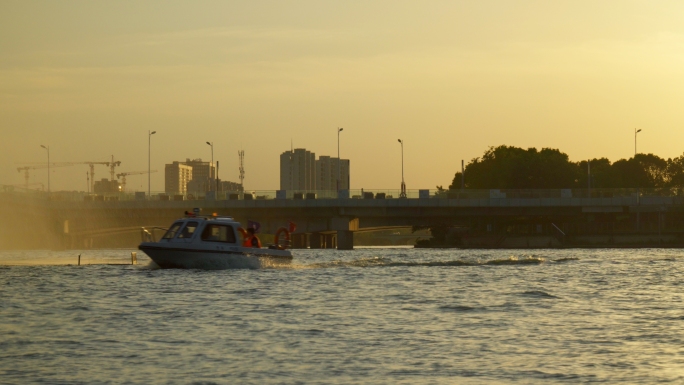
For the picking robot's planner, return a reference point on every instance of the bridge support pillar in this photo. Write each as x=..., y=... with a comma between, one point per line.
x=316, y=241
x=299, y=241
x=329, y=241
x=345, y=240
x=345, y=227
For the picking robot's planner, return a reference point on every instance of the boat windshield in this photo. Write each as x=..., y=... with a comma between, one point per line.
x=218, y=233
x=188, y=231
x=171, y=232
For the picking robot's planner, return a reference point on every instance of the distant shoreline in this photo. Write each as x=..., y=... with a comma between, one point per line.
x=578, y=246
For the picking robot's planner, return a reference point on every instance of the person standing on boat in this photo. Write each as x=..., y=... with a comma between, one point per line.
x=251, y=240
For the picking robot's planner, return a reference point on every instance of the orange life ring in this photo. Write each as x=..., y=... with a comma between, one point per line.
x=286, y=241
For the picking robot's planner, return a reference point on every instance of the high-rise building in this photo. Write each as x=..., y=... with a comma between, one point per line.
x=225, y=185
x=202, y=175
x=298, y=170
x=201, y=170
x=199, y=186
x=327, y=173
x=106, y=186
x=176, y=178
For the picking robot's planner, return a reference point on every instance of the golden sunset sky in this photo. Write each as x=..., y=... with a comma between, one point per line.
x=450, y=78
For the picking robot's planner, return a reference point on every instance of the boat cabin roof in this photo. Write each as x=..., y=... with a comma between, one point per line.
x=218, y=219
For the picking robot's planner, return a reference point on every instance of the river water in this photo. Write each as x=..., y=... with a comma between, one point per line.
x=367, y=316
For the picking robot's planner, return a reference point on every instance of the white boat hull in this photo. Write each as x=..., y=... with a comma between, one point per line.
x=191, y=258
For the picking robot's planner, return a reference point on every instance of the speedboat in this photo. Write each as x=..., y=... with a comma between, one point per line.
x=211, y=242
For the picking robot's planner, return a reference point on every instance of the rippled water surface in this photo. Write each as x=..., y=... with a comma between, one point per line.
x=368, y=316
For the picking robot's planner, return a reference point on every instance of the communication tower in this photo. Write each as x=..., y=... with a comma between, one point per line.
x=241, y=155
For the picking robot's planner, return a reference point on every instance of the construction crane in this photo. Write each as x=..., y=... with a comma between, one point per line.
x=112, y=165
x=124, y=174
x=26, y=170
x=92, y=172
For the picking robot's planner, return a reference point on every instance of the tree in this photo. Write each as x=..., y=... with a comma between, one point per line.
x=655, y=169
x=600, y=173
x=508, y=167
x=675, y=172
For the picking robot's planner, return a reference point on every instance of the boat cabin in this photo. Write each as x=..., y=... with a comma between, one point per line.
x=203, y=229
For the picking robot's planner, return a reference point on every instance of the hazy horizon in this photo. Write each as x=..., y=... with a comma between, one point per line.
x=449, y=78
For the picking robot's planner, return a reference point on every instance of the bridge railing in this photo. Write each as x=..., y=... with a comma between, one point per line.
x=354, y=194
x=556, y=193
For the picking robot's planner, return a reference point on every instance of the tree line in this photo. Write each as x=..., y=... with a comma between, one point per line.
x=508, y=167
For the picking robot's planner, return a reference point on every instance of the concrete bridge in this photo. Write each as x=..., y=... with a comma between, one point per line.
x=325, y=223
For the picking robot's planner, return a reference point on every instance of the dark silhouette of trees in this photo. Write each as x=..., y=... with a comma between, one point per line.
x=600, y=173
x=508, y=167
x=653, y=170
x=675, y=171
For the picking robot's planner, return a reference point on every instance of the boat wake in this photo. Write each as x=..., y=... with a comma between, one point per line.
x=387, y=262
x=255, y=263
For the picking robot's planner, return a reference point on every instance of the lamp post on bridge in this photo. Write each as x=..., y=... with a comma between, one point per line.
x=149, y=158
x=638, y=197
x=48, y=154
x=589, y=177
x=339, y=129
x=403, y=185
x=211, y=178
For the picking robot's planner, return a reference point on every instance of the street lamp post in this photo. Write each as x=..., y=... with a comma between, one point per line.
x=211, y=178
x=339, y=161
x=589, y=177
x=638, y=195
x=149, y=157
x=48, y=153
x=403, y=185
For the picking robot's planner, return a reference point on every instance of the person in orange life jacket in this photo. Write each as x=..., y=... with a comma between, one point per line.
x=252, y=240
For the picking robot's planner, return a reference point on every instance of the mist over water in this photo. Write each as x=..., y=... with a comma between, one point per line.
x=371, y=315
